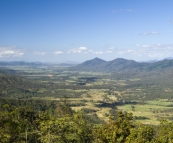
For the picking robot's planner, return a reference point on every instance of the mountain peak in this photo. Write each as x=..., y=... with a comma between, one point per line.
x=96, y=58
x=90, y=64
x=93, y=62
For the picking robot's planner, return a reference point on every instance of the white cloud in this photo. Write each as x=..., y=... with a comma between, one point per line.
x=58, y=52
x=144, y=33
x=155, y=55
x=18, y=54
x=157, y=51
x=159, y=46
x=7, y=51
x=154, y=33
x=77, y=50
x=74, y=51
x=130, y=51
x=82, y=48
x=109, y=51
x=149, y=33
x=97, y=52
x=121, y=52
x=39, y=53
x=145, y=46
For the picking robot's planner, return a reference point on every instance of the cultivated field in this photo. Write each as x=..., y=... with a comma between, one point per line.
x=148, y=98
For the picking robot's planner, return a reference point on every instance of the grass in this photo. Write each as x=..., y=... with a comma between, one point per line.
x=159, y=102
x=151, y=110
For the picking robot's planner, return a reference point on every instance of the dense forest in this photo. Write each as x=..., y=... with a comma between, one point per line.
x=57, y=123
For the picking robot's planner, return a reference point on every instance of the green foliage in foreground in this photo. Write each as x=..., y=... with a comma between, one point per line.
x=25, y=125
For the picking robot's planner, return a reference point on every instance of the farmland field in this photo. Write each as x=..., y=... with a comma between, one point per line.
x=100, y=93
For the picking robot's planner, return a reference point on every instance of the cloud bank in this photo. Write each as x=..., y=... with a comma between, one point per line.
x=151, y=51
x=6, y=51
x=140, y=51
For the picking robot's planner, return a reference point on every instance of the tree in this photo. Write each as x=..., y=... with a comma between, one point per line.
x=164, y=132
x=116, y=131
x=64, y=129
x=8, y=126
x=141, y=134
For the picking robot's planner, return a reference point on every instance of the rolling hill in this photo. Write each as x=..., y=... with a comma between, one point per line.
x=122, y=65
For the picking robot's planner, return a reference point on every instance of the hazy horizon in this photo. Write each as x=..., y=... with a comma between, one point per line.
x=78, y=62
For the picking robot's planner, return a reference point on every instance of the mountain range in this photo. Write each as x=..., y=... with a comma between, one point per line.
x=23, y=63
x=99, y=65
x=19, y=63
x=122, y=65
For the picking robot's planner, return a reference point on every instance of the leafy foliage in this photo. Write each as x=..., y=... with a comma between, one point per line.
x=24, y=124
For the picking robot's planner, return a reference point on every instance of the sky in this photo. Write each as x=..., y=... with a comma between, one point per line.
x=79, y=30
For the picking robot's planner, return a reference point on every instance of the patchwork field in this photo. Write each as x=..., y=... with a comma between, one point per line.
x=100, y=94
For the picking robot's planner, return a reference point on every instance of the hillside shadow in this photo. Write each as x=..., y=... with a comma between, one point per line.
x=111, y=105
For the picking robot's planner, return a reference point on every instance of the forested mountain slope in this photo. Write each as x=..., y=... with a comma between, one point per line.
x=122, y=65
x=16, y=86
x=96, y=63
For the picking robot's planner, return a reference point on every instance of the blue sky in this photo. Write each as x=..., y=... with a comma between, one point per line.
x=79, y=30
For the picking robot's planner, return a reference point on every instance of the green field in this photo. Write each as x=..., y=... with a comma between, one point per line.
x=149, y=99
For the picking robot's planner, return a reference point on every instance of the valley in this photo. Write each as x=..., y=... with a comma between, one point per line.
x=146, y=94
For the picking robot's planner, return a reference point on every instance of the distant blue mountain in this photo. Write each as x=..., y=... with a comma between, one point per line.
x=19, y=63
